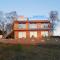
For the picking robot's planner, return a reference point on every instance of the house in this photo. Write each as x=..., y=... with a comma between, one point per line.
x=31, y=28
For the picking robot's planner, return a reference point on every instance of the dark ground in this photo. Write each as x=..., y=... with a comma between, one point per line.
x=19, y=52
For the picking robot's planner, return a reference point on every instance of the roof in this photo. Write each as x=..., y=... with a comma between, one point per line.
x=38, y=18
x=22, y=18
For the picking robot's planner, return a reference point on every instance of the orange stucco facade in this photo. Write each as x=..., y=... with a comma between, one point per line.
x=38, y=32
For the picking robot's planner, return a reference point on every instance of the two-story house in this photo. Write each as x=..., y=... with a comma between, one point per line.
x=31, y=28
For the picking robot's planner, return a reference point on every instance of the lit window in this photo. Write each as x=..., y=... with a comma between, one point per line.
x=34, y=34
x=44, y=33
x=22, y=34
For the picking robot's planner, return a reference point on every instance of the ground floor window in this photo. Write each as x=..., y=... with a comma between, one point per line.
x=33, y=33
x=22, y=34
x=44, y=33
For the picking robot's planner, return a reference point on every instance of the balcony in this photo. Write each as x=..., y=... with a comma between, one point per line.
x=38, y=27
x=33, y=27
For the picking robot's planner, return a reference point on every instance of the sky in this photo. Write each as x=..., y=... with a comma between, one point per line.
x=31, y=7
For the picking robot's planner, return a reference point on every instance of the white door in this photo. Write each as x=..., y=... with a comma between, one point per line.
x=33, y=34
x=22, y=34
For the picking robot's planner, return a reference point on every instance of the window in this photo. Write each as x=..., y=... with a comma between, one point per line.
x=44, y=33
x=22, y=34
x=23, y=26
x=32, y=26
x=34, y=34
x=44, y=25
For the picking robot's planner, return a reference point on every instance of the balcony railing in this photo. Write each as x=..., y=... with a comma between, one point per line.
x=33, y=27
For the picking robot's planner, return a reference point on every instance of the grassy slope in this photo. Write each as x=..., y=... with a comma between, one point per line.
x=18, y=52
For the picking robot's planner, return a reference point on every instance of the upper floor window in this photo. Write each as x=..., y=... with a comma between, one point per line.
x=32, y=26
x=23, y=26
x=44, y=25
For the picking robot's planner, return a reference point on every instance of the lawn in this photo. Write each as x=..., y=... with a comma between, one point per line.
x=19, y=52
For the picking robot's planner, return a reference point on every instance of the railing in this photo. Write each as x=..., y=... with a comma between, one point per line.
x=36, y=29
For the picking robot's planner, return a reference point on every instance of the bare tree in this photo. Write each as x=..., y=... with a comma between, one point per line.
x=2, y=22
x=10, y=16
x=9, y=28
x=53, y=18
x=6, y=21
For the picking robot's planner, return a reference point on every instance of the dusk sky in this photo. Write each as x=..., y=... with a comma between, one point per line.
x=30, y=7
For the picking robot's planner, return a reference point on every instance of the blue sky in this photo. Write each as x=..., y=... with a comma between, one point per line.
x=31, y=7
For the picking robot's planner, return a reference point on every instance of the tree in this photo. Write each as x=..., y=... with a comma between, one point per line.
x=10, y=16
x=9, y=28
x=2, y=22
x=54, y=19
x=6, y=21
